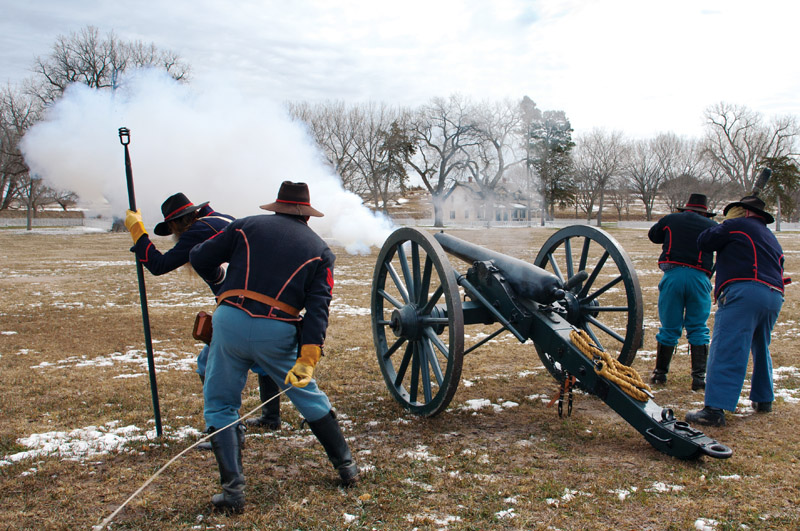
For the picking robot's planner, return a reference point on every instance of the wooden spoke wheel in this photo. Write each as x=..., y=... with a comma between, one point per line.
x=417, y=322
x=608, y=303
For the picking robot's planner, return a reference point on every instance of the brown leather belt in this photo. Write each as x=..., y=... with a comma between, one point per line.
x=266, y=299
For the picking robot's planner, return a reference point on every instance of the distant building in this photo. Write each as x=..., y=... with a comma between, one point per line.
x=466, y=203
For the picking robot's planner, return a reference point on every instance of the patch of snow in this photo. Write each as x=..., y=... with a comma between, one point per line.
x=705, y=524
x=420, y=454
x=88, y=442
x=423, y=486
x=659, y=486
x=568, y=496
x=476, y=404
x=623, y=493
x=508, y=513
x=339, y=307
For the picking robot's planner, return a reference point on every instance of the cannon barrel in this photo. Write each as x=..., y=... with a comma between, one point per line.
x=527, y=280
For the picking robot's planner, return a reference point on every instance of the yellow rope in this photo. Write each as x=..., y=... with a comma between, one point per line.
x=610, y=368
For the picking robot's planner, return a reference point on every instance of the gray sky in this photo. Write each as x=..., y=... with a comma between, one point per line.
x=638, y=66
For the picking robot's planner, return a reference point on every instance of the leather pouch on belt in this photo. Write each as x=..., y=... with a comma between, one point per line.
x=202, y=327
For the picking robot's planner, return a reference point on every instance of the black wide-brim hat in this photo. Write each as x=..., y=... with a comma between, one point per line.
x=753, y=204
x=294, y=199
x=698, y=203
x=176, y=206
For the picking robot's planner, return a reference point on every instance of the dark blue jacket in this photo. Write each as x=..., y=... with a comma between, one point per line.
x=278, y=256
x=677, y=233
x=746, y=250
x=207, y=225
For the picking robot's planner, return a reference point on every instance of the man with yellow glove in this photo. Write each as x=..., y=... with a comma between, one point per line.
x=277, y=267
x=749, y=294
x=189, y=225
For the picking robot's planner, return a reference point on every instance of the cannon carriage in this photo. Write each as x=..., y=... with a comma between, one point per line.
x=579, y=303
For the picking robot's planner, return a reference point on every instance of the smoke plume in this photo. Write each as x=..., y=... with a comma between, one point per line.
x=207, y=142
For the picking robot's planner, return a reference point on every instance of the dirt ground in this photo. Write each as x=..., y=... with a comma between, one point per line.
x=73, y=362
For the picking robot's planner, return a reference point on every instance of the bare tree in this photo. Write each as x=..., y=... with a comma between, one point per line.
x=441, y=130
x=492, y=154
x=34, y=195
x=378, y=142
x=620, y=195
x=738, y=141
x=643, y=174
x=586, y=191
x=18, y=112
x=97, y=61
x=334, y=127
x=63, y=198
x=144, y=55
x=601, y=156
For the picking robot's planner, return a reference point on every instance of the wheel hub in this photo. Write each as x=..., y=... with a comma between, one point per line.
x=405, y=322
x=576, y=313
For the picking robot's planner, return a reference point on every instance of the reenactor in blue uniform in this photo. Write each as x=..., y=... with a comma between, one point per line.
x=277, y=267
x=749, y=294
x=684, y=292
x=190, y=225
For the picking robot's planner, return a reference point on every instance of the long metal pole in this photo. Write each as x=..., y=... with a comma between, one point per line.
x=125, y=139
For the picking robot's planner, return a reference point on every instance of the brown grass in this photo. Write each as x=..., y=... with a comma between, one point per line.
x=73, y=298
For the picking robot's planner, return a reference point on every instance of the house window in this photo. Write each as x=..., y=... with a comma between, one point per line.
x=452, y=214
x=466, y=214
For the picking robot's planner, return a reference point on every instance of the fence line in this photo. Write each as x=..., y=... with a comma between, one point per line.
x=42, y=222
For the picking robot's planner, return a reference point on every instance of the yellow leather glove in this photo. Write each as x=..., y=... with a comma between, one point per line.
x=133, y=222
x=303, y=370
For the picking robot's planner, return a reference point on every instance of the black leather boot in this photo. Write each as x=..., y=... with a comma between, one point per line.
x=271, y=412
x=663, y=358
x=329, y=434
x=699, y=359
x=227, y=445
x=708, y=416
x=762, y=407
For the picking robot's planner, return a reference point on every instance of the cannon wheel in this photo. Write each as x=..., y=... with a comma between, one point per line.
x=417, y=322
x=608, y=304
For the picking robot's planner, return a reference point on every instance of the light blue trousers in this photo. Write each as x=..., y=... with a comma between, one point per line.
x=238, y=342
x=746, y=313
x=202, y=360
x=684, y=302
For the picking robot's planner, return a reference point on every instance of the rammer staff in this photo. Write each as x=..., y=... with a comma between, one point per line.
x=125, y=139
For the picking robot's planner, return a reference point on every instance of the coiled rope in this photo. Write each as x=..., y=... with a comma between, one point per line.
x=108, y=520
x=611, y=369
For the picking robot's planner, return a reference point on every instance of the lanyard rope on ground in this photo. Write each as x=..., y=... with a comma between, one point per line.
x=108, y=520
x=611, y=369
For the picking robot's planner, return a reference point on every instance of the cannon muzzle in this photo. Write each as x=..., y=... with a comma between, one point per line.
x=527, y=280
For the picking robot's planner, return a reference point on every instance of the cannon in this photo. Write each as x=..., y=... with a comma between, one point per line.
x=579, y=302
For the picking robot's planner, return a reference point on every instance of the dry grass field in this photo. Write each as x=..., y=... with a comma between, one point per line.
x=77, y=436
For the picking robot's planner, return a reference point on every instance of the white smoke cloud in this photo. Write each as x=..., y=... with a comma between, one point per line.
x=205, y=141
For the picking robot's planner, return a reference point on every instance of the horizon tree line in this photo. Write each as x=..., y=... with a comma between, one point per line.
x=378, y=149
